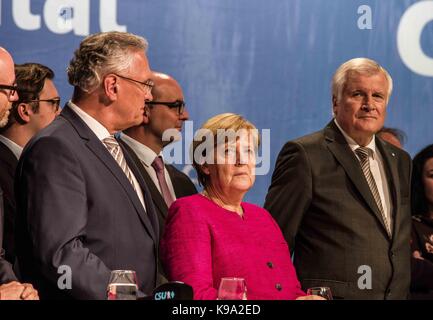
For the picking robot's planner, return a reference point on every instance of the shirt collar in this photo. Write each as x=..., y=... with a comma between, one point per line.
x=352, y=143
x=144, y=153
x=98, y=129
x=15, y=148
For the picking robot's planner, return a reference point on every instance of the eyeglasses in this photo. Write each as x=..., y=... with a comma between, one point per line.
x=179, y=104
x=12, y=89
x=55, y=102
x=147, y=85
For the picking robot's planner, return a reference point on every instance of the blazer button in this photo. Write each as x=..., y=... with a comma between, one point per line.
x=278, y=287
x=270, y=264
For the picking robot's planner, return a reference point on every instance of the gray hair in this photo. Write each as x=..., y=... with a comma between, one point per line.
x=363, y=66
x=100, y=54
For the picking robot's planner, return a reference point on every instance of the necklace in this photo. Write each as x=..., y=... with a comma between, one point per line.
x=220, y=203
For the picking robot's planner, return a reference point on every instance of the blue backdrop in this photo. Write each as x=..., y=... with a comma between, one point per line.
x=271, y=61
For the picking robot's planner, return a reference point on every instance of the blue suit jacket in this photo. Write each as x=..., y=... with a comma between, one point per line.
x=76, y=208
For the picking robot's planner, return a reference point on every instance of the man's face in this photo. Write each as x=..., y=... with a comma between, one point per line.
x=132, y=95
x=7, y=77
x=161, y=117
x=361, y=109
x=47, y=110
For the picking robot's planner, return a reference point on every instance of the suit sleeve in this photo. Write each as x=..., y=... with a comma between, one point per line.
x=6, y=272
x=186, y=250
x=290, y=192
x=51, y=196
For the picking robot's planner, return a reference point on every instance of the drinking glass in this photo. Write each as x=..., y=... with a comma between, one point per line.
x=122, y=285
x=324, y=292
x=232, y=289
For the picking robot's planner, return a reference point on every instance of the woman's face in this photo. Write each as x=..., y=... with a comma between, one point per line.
x=234, y=165
x=427, y=180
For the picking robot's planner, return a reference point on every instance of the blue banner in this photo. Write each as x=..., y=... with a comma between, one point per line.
x=271, y=61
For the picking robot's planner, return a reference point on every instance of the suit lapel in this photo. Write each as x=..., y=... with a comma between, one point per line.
x=151, y=214
x=96, y=147
x=178, y=184
x=394, y=181
x=338, y=146
x=157, y=198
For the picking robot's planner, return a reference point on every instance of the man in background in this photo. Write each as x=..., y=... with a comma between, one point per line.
x=37, y=105
x=9, y=287
x=145, y=142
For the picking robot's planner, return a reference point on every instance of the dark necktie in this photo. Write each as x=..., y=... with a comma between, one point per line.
x=363, y=153
x=158, y=165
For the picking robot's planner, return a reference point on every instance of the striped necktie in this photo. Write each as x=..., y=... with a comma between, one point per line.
x=117, y=153
x=363, y=154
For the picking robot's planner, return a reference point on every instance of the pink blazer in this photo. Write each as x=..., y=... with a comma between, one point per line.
x=203, y=242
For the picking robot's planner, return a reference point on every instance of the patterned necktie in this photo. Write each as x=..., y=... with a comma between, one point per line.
x=117, y=153
x=158, y=165
x=363, y=153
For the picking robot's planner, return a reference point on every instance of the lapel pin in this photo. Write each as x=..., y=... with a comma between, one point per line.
x=393, y=154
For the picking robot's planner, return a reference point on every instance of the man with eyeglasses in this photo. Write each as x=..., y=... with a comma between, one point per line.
x=145, y=142
x=83, y=209
x=9, y=287
x=36, y=107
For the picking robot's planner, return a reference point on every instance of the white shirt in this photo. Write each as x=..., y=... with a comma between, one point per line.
x=146, y=156
x=377, y=170
x=16, y=149
x=101, y=132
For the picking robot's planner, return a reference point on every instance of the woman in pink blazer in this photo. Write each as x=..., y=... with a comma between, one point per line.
x=213, y=235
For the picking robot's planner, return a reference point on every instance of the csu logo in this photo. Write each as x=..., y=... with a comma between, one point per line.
x=64, y=16
x=166, y=295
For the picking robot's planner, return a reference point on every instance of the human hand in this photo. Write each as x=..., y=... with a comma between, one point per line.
x=417, y=255
x=18, y=291
x=29, y=293
x=11, y=291
x=312, y=297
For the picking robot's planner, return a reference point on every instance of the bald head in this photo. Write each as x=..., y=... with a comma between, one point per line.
x=7, y=78
x=164, y=85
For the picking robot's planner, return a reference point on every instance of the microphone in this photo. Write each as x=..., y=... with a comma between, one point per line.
x=174, y=290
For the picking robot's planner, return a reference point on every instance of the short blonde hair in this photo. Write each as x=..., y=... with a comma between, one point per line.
x=363, y=66
x=100, y=54
x=224, y=121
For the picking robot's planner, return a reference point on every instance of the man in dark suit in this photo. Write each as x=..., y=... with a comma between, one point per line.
x=36, y=107
x=145, y=142
x=83, y=208
x=9, y=287
x=341, y=195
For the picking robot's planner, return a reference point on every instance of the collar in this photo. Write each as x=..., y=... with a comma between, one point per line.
x=15, y=148
x=352, y=143
x=98, y=129
x=144, y=153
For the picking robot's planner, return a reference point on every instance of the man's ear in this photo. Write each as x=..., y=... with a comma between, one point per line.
x=334, y=104
x=111, y=87
x=24, y=111
x=146, y=115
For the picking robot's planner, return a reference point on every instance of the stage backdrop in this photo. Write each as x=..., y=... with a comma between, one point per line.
x=271, y=61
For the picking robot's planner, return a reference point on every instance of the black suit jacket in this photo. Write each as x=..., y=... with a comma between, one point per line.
x=322, y=202
x=76, y=209
x=6, y=272
x=182, y=186
x=8, y=164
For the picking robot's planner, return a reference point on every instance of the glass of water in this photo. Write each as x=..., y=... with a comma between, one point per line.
x=232, y=289
x=122, y=285
x=324, y=292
